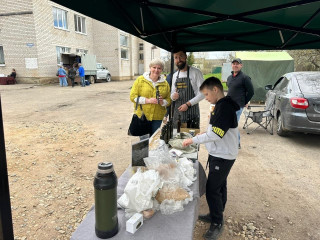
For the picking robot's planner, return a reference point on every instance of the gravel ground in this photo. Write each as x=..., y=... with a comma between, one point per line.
x=55, y=137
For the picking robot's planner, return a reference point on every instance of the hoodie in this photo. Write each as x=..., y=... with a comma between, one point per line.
x=221, y=138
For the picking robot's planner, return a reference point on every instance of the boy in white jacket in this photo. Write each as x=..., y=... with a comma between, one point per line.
x=221, y=140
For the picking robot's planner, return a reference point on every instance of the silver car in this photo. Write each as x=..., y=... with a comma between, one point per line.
x=296, y=102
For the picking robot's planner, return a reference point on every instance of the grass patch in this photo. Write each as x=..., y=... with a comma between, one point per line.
x=217, y=75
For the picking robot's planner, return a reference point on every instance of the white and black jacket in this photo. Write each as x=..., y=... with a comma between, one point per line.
x=221, y=138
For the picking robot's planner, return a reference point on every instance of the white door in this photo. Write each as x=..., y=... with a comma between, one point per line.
x=141, y=68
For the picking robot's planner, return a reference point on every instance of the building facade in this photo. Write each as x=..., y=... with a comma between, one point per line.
x=34, y=33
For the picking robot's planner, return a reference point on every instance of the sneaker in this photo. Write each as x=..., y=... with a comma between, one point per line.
x=205, y=218
x=214, y=231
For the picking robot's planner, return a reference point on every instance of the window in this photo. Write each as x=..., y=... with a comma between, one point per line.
x=152, y=51
x=1, y=55
x=80, y=24
x=124, y=46
x=61, y=50
x=281, y=84
x=123, y=40
x=60, y=19
x=141, y=56
x=277, y=84
x=81, y=51
x=140, y=46
x=124, y=53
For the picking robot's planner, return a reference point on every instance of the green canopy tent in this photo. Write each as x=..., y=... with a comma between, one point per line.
x=204, y=25
x=196, y=25
x=265, y=68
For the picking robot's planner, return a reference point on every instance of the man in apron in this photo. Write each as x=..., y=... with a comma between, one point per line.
x=185, y=91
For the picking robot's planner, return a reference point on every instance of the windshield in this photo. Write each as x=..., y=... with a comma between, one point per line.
x=99, y=66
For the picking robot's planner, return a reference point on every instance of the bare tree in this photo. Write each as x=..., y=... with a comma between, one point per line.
x=306, y=60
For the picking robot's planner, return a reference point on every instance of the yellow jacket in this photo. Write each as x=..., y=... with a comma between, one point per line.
x=144, y=88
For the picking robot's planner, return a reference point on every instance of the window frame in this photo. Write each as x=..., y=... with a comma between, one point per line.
x=124, y=50
x=124, y=46
x=60, y=13
x=81, y=50
x=65, y=50
x=2, y=51
x=83, y=25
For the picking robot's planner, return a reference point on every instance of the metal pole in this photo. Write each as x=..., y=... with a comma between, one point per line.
x=173, y=43
x=6, y=228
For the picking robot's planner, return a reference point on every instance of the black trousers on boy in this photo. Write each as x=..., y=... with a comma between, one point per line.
x=216, y=188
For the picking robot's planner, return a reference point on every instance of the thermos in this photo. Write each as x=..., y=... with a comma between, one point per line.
x=105, y=196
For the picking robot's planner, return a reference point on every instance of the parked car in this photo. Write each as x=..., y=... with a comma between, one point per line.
x=103, y=73
x=296, y=102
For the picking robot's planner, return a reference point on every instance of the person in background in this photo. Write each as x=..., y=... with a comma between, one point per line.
x=240, y=88
x=185, y=90
x=81, y=74
x=13, y=73
x=221, y=140
x=62, y=76
x=72, y=74
x=145, y=87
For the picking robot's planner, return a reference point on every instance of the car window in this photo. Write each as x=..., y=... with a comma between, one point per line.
x=281, y=83
x=277, y=84
x=309, y=83
x=284, y=84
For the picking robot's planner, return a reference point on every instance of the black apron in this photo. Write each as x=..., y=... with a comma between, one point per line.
x=185, y=90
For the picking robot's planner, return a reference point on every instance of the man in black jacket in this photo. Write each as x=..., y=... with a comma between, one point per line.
x=240, y=87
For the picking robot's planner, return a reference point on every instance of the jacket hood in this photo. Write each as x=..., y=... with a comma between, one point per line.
x=146, y=76
x=229, y=100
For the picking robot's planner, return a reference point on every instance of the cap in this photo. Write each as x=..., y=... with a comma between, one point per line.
x=237, y=60
x=105, y=167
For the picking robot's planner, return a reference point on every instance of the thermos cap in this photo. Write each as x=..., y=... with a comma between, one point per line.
x=105, y=167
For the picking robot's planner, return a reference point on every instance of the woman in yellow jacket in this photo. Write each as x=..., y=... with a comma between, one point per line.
x=145, y=87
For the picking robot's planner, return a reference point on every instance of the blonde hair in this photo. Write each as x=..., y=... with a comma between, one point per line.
x=156, y=62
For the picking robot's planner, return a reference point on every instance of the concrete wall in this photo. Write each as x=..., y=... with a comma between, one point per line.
x=106, y=46
x=18, y=37
x=30, y=40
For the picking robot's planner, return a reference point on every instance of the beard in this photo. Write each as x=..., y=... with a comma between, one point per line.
x=181, y=65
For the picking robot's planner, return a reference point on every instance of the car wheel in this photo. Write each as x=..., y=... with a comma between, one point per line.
x=280, y=130
x=108, y=79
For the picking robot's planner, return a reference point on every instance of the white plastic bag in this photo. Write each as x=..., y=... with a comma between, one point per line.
x=140, y=190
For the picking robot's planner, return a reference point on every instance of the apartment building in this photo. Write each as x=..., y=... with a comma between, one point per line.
x=34, y=33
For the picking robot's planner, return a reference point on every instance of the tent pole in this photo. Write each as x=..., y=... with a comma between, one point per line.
x=173, y=44
x=6, y=228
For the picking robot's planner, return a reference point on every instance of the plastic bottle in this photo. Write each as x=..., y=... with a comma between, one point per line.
x=105, y=195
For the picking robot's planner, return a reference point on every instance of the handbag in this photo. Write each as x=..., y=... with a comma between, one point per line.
x=139, y=126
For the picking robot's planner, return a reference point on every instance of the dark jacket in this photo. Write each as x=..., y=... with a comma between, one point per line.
x=240, y=88
x=72, y=73
x=13, y=74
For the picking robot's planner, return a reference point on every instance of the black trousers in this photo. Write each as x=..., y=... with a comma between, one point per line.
x=216, y=188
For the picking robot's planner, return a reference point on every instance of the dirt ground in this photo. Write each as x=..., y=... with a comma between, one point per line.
x=55, y=137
